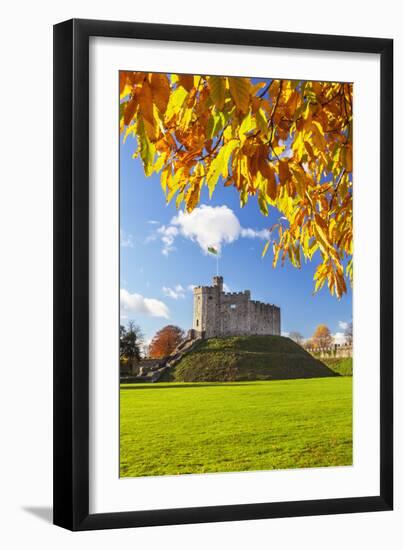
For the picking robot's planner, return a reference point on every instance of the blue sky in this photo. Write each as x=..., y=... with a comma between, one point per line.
x=163, y=254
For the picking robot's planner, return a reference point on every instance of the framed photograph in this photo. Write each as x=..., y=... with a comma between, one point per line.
x=216, y=193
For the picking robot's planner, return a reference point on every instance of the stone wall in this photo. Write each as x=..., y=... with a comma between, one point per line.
x=219, y=313
x=336, y=352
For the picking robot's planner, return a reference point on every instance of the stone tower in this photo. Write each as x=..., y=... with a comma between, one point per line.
x=217, y=313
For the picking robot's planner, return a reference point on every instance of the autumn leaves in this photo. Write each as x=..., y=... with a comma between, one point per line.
x=287, y=142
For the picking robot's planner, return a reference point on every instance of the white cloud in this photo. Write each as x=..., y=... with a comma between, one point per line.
x=177, y=292
x=168, y=234
x=126, y=239
x=286, y=334
x=226, y=288
x=264, y=234
x=151, y=238
x=191, y=287
x=339, y=338
x=153, y=222
x=343, y=325
x=136, y=303
x=207, y=226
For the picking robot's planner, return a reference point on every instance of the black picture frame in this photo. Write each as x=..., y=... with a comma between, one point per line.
x=71, y=274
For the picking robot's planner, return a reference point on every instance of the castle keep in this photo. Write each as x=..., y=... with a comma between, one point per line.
x=217, y=313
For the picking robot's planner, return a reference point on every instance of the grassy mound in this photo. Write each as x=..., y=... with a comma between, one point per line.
x=248, y=358
x=344, y=367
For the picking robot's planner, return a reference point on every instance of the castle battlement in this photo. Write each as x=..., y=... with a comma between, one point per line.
x=218, y=313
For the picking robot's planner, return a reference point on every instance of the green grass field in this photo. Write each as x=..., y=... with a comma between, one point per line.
x=173, y=428
x=341, y=366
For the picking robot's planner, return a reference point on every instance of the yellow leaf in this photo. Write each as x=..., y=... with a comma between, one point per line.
x=179, y=198
x=298, y=146
x=175, y=102
x=177, y=179
x=266, y=246
x=125, y=91
x=185, y=119
x=306, y=111
x=214, y=125
x=276, y=251
x=261, y=121
x=239, y=89
x=219, y=166
x=247, y=125
x=159, y=163
x=299, y=179
x=262, y=203
x=217, y=86
x=165, y=176
x=147, y=149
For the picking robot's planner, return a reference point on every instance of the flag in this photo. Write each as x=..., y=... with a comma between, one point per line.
x=212, y=250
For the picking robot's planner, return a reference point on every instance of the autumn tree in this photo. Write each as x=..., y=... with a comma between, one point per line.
x=130, y=341
x=297, y=337
x=308, y=344
x=286, y=142
x=165, y=341
x=348, y=333
x=322, y=337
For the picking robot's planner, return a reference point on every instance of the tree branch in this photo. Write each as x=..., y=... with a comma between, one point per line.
x=336, y=188
x=265, y=90
x=216, y=143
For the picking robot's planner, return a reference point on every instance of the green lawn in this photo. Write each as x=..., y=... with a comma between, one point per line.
x=175, y=428
x=342, y=366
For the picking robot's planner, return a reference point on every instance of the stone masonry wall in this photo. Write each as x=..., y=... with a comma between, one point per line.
x=219, y=313
x=336, y=352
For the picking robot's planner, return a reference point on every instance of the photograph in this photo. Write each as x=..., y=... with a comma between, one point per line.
x=236, y=273
x=204, y=235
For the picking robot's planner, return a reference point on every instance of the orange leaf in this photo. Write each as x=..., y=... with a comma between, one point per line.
x=160, y=91
x=284, y=171
x=268, y=173
x=130, y=109
x=186, y=80
x=146, y=102
x=308, y=147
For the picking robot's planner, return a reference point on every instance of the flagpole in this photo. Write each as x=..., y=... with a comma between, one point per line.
x=214, y=251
